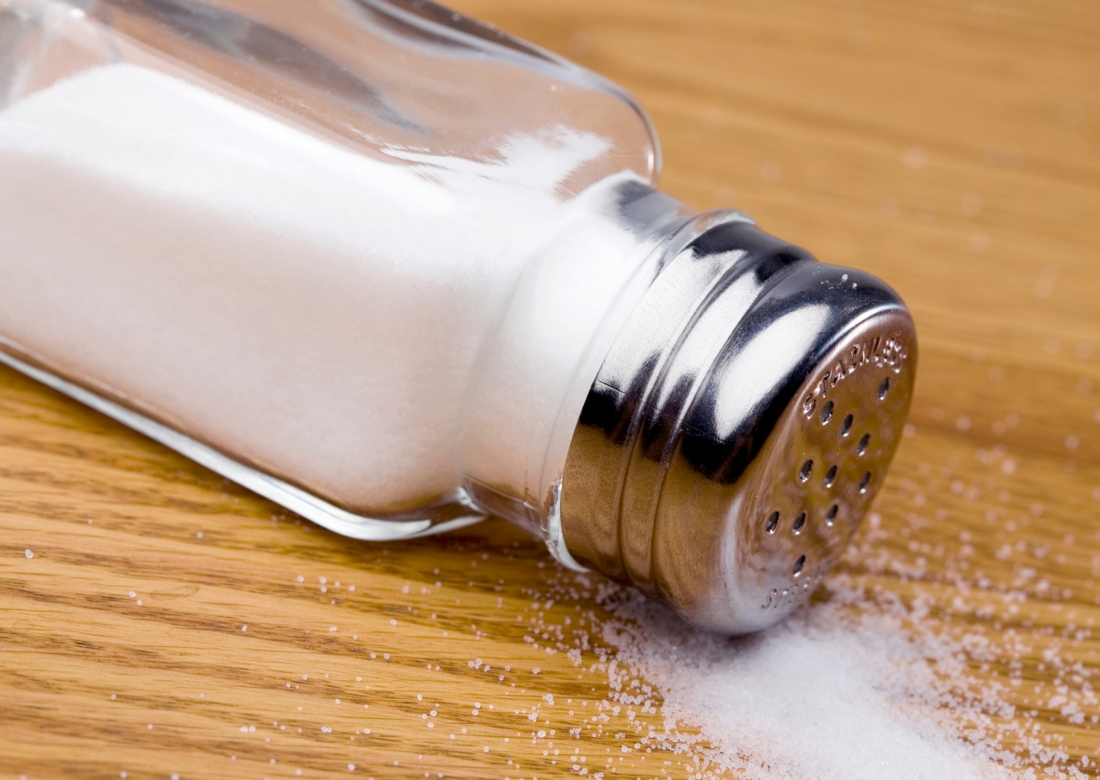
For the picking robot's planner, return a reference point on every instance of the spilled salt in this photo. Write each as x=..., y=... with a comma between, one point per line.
x=864, y=683
x=825, y=695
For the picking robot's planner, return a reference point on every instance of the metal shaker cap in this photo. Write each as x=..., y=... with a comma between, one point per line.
x=738, y=429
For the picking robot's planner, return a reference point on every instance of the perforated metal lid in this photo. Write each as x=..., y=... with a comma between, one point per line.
x=739, y=429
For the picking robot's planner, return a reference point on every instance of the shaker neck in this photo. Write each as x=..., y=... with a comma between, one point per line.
x=568, y=307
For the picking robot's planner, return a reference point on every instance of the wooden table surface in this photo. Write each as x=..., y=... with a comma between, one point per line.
x=172, y=623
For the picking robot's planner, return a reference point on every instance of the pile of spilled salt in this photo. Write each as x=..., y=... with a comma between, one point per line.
x=860, y=684
x=827, y=694
x=855, y=687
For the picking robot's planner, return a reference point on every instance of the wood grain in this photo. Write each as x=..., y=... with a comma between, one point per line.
x=172, y=623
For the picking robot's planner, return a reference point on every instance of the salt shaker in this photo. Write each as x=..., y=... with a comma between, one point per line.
x=397, y=271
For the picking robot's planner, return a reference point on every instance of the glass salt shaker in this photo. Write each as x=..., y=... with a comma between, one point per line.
x=397, y=271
